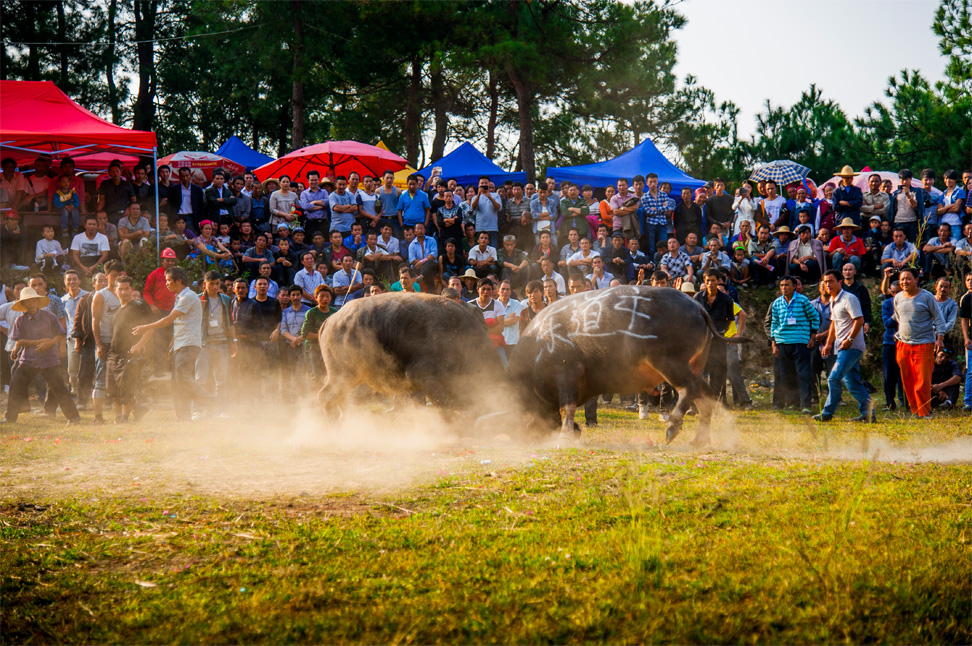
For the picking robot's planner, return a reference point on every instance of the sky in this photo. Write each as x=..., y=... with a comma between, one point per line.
x=746, y=51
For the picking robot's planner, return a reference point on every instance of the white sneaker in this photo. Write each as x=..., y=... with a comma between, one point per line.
x=643, y=411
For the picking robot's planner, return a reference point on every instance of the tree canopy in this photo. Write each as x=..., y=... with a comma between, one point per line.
x=533, y=83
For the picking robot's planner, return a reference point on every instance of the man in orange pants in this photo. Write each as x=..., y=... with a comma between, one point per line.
x=920, y=335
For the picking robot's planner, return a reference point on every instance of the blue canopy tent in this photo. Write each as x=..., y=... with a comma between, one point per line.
x=236, y=150
x=642, y=159
x=466, y=164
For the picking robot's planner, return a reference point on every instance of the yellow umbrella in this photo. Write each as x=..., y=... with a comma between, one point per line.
x=401, y=176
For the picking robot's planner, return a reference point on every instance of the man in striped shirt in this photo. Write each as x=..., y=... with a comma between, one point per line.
x=793, y=321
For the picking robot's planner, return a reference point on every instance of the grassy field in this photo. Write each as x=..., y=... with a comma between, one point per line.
x=265, y=528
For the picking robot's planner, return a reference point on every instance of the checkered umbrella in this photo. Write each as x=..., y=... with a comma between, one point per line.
x=783, y=171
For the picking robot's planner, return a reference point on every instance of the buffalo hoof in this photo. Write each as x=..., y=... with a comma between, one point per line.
x=672, y=433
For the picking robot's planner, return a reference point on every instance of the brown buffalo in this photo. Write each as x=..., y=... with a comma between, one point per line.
x=409, y=344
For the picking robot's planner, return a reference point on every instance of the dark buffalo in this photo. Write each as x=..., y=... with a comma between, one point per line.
x=409, y=344
x=619, y=340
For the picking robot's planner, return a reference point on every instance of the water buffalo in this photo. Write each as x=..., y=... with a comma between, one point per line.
x=619, y=340
x=409, y=344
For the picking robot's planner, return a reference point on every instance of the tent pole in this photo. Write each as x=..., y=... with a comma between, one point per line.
x=158, y=236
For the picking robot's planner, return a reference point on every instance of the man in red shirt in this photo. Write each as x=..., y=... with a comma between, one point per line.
x=161, y=300
x=846, y=247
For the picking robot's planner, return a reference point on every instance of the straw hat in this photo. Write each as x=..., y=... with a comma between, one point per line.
x=28, y=294
x=847, y=171
x=847, y=223
x=270, y=180
x=688, y=288
x=470, y=273
x=327, y=181
x=783, y=229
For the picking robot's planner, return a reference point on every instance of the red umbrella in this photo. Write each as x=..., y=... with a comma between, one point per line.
x=206, y=162
x=333, y=158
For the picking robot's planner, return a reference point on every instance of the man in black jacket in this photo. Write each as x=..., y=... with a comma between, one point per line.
x=186, y=199
x=220, y=200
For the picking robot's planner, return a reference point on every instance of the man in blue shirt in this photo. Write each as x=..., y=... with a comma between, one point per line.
x=793, y=320
x=413, y=205
x=387, y=203
x=848, y=199
x=343, y=206
x=654, y=207
x=423, y=254
x=485, y=207
x=347, y=282
x=315, y=203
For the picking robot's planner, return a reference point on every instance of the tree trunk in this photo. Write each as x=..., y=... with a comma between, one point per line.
x=493, y=110
x=62, y=49
x=110, y=63
x=33, y=62
x=143, y=117
x=440, y=113
x=524, y=103
x=282, y=132
x=297, y=75
x=413, y=111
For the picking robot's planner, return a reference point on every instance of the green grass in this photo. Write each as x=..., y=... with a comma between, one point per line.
x=783, y=532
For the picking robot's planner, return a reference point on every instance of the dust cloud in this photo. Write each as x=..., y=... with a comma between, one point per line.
x=272, y=451
x=295, y=450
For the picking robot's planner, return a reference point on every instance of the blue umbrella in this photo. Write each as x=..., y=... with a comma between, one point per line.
x=782, y=171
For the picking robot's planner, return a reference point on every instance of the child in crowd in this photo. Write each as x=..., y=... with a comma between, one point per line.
x=66, y=201
x=739, y=266
x=224, y=234
x=49, y=255
x=803, y=217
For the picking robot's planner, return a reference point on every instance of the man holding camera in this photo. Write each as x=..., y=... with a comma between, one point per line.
x=907, y=206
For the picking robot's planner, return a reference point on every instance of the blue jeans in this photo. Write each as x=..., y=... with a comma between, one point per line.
x=910, y=229
x=847, y=371
x=71, y=220
x=839, y=260
x=968, y=377
x=653, y=234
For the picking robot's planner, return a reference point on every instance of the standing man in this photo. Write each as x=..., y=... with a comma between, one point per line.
x=720, y=309
x=920, y=335
x=848, y=199
x=37, y=335
x=857, y=288
x=413, y=205
x=73, y=296
x=387, y=203
x=654, y=206
x=160, y=299
x=876, y=202
x=718, y=207
x=792, y=324
x=906, y=206
x=965, y=314
x=573, y=213
x=485, y=208
x=104, y=304
x=891, y=371
x=115, y=193
x=186, y=321
x=846, y=336
x=343, y=206
x=314, y=200
x=124, y=354
x=186, y=199
x=219, y=199
x=218, y=339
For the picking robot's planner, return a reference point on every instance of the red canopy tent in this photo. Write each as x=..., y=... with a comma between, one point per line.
x=37, y=118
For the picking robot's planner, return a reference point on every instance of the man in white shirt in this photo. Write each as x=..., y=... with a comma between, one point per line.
x=482, y=257
x=186, y=321
x=584, y=258
x=90, y=248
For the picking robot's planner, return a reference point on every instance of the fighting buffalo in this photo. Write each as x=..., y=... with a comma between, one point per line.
x=625, y=339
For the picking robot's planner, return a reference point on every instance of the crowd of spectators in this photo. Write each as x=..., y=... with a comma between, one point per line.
x=279, y=257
